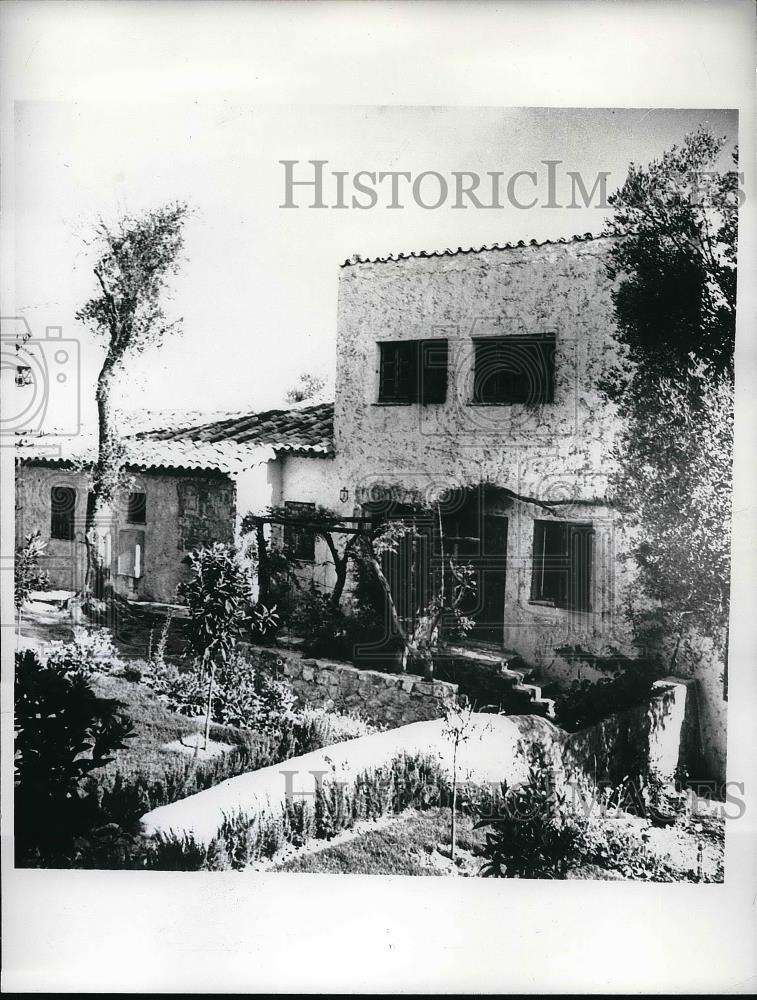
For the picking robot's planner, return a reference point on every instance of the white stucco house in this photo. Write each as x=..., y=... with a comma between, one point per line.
x=465, y=379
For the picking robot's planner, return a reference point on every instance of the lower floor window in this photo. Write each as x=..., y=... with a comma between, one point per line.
x=562, y=564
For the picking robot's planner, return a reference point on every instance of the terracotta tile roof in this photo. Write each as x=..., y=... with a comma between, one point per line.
x=226, y=457
x=305, y=428
x=230, y=444
x=449, y=252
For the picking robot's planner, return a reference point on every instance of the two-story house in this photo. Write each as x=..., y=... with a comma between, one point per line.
x=469, y=379
x=466, y=382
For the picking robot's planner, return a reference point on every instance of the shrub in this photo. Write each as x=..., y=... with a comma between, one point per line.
x=534, y=835
x=345, y=635
x=157, y=654
x=409, y=781
x=27, y=573
x=90, y=651
x=63, y=732
x=264, y=622
x=324, y=626
x=316, y=728
x=244, y=694
x=218, y=596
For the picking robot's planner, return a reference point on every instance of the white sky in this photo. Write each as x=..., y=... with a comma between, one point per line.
x=258, y=290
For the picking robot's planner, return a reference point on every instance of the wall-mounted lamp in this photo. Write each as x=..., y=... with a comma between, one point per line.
x=344, y=494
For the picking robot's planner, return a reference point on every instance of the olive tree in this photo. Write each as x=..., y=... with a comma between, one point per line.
x=134, y=260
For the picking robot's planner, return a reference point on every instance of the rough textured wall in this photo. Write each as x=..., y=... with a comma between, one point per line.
x=205, y=511
x=699, y=660
x=551, y=451
x=181, y=511
x=654, y=738
x=393, y=699
x=313, y=480
x=555, y=451
x=65, y=561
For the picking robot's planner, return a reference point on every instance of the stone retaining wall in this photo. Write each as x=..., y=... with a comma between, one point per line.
x=393, y=699
x=655, y=737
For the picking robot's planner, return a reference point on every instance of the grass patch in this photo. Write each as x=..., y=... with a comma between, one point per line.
x=406, y=846
x=155, y=724
x=145, y=776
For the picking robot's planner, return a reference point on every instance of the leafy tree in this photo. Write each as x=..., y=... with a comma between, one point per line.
x=367, y=540
x=674, y=265
x=458, y=727
x=674, y=268
x=308, y=386
x=218, y=598
x=444, y=605
x=136, y=256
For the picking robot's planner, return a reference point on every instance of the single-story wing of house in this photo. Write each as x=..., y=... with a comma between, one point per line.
x=183, y=487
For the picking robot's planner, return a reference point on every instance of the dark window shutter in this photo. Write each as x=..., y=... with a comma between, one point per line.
x=388, y=372
x=580, y=540
x=407, y=364
x=434, y=363
x=398, y=372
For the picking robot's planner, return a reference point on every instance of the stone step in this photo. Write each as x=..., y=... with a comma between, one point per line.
x=523, y=681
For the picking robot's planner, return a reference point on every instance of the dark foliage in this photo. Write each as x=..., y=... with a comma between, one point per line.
x=585, y=702
x=534, y=835
x=674, y=269
x=63, y=732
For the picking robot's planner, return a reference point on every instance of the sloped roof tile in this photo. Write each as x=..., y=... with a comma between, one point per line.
x=450, y=252
x=306, y=429
x=230, y=444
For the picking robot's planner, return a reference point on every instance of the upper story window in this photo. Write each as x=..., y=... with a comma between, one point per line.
x=136, y=509
x=299, y=541
x=517, y=369
x=413, y=371
x=562, y=565
x=62, y=512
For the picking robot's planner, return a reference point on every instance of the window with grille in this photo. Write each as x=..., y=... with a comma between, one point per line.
x=562, y=564
x=299, y=541
x=413, y=371
x=514, y=369
x=62, y=512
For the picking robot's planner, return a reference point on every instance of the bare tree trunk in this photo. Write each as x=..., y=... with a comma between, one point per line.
x=341, y=565
x=375, y=564
x=100, y=512
x=453, y=834
x=211, y=678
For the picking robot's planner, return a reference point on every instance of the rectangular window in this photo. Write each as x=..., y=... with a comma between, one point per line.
x=514, y=369
x=562, y=564
x=137, y=508
x=62, y=512
x=299, y=541
x=413, y=371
